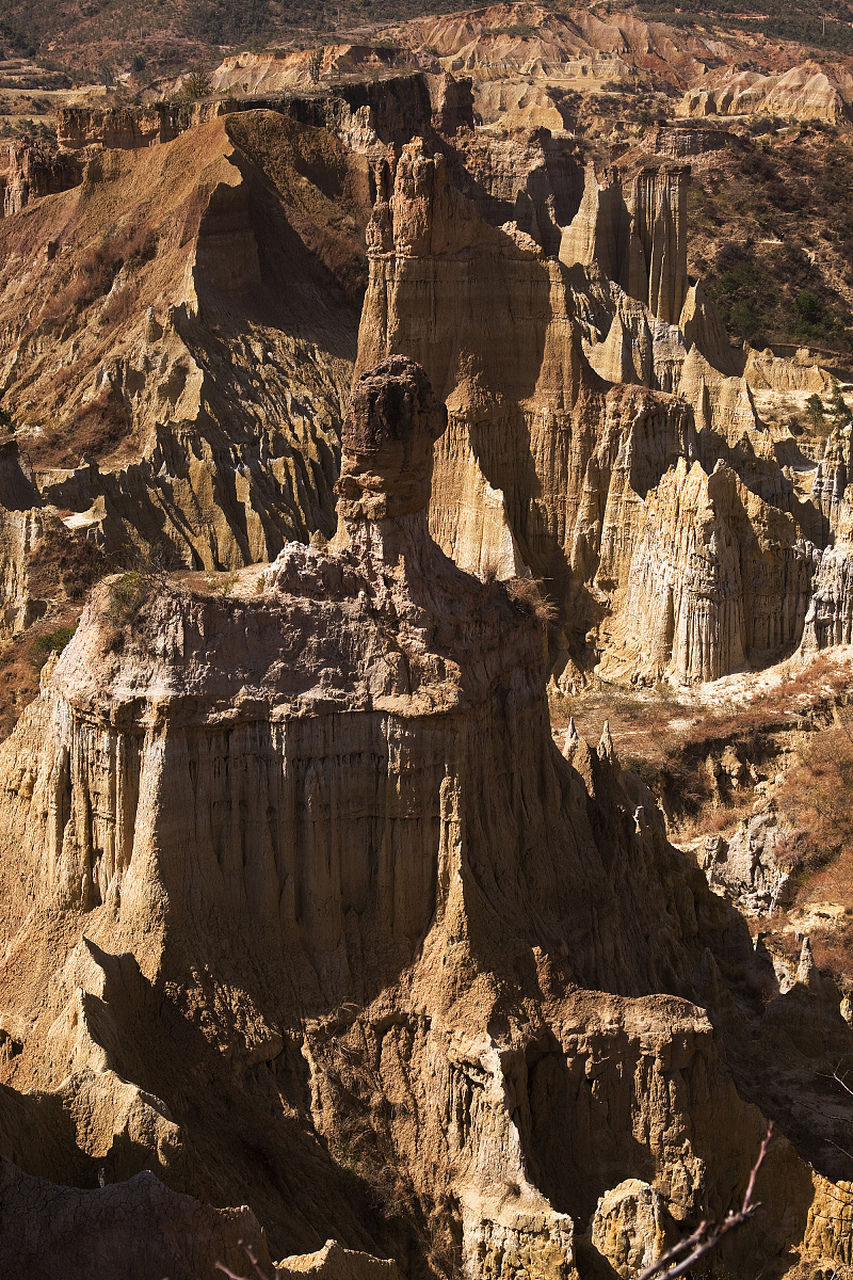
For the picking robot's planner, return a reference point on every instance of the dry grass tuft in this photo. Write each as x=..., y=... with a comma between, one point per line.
x=96, y=430
x=95, y=269
x=528, y=596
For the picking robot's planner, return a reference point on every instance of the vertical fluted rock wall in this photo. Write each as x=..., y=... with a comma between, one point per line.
x=660, y=216
x=318, y=892
x=637, y=237
x=602, y=232
x=716, y=575
x=21, y=529
x=830, y=616
x=542, y=466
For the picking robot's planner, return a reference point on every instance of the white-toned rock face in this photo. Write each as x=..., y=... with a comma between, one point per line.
x=299, y=890
x=804, y=93
x=533, y=294
x=656, y=508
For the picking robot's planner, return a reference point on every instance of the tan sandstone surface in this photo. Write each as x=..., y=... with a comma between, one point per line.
x=566, y=462
x=181, y=390
x=305, y=909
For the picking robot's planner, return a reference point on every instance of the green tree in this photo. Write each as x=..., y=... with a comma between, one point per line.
x=815, y=412
x=808, y=308
x=196, y=85
x=838, y=409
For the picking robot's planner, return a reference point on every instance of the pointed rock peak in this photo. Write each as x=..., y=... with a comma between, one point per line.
x=806, y=964
x=571, y=740
x=605, y=746
x=387, y=439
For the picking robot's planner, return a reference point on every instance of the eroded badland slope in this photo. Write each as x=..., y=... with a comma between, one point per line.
x=384, y=406
x=304, y=905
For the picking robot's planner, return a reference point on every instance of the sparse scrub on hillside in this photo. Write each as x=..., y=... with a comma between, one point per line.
x=670, y=740
x=60, y=571
x=228, y=21
x=195, y=86
x=675, y=780
x=771, y=233
x=147, y=574
x=119, y=307
x=808, y=24
x=95, y=269
x=817, y=794
x=126, y=592
x=94, y=430
x=62, y=562
x=101, y=426
x=796, y=737
x=52, y=642
x=517, y=30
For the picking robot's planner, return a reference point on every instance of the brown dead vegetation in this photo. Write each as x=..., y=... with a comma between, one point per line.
x=22, y=658
x=96, y=430
x=61, y=570
x=528, y=596
x=64, y=564
x=817, y=797
x=799, y=731
x=92, y=273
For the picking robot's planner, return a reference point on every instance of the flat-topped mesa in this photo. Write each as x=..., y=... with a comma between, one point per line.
x=375, y=649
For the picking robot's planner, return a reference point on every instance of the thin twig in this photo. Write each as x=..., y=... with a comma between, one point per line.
x=250, y=1254
x=840, y=1080
x=843, y=1150
x=672, y=1254
x=704, y=1239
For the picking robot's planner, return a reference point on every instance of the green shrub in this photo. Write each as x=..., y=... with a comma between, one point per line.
x=196, y=85
x=816, y=415
x=838, y=408
x=808, y=308
x=124, y=595
x=54, y=642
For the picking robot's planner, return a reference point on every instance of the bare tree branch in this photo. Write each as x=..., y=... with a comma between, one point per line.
x=705, y=1238
x=250, y=1254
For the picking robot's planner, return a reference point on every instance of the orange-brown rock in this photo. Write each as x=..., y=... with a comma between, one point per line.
x=34, y=171
x=298, y=884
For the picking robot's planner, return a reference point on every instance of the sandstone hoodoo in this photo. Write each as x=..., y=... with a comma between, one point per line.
x=368, y=410
x=306, y=910
x=582, y=390
x=179, y=380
